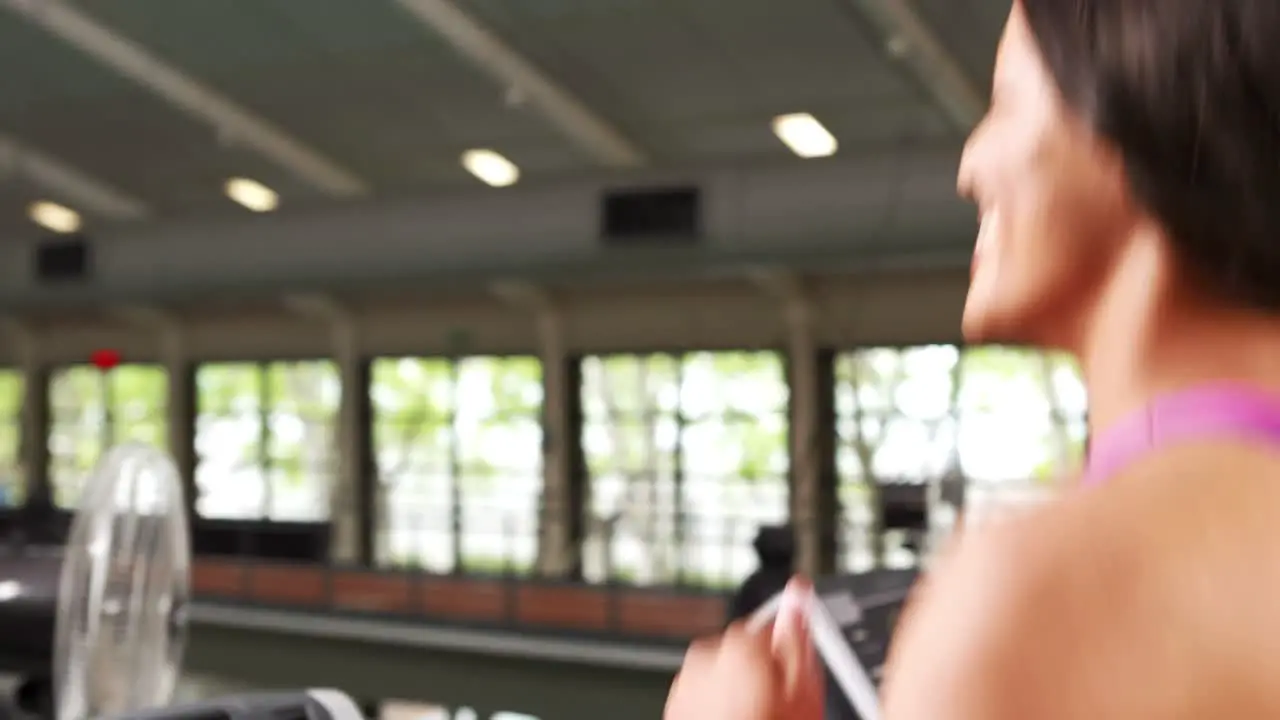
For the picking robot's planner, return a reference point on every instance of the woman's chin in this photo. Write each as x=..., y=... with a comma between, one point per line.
x=986, y=322
x=1021, y=325
x=975, y=326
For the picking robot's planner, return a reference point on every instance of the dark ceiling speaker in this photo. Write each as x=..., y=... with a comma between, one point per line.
x=97, y=627
x=651, y=217
x=64, y=259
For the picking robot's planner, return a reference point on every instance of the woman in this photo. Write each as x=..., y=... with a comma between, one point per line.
x=1128, y=181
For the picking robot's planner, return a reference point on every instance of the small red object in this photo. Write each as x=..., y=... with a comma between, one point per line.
x=105, y=360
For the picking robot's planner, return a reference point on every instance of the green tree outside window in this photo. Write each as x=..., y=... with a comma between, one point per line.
x=89, y=417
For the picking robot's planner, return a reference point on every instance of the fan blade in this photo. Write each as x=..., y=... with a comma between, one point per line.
x=124, y=588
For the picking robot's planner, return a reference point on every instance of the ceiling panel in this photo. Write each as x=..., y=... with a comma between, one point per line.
x=134, y=143
x=365, y=84
x=14, y=200
x=114, y=131
x=38, y=69
x=703, y=77
x=970, y=29
x=360, y=81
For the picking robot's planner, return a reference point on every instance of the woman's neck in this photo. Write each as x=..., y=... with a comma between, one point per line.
x=1146, y=336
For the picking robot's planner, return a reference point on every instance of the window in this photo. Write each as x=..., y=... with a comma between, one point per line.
x=688, y=458
x=93, y=411
x=12, y=487
x=997, y=418
x=1022, y=423
x=894, y=423
x=459, y=452
x=265, y=439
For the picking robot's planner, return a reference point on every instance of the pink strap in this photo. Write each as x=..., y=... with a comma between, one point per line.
x=1207, y=412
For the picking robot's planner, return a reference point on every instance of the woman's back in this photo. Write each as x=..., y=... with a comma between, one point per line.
x=1152, y=596
x=1205, y=556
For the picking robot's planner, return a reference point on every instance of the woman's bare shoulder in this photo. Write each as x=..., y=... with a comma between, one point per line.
x=1010, y=624
x=1130, y=590
x=1100, y=598
x=1199, y=467
x=1197, y=501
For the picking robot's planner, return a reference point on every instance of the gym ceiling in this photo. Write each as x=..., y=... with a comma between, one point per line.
x=129, y=111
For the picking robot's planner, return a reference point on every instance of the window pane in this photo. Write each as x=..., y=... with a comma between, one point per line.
x=735, y=460
x=413, y=444
x=139, y=399
x=894, y=424
x=92, y=412
x=76, y=429
x=230, y=477
x=265, y=439
x=630, y=431
x=499, y=435
x=688, y=457
x=12, y=487
x=303, y=399
x=994, y=417
x=1022, y=423
x=459, y=452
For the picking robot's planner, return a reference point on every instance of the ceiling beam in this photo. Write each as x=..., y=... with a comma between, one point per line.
x=522, y=294
x=315, y=305
x=228, y=119
x=777, y=282
x=22, y=337
x=911, y=40
x=147, y=317
x=579, y=123
x=68, y=184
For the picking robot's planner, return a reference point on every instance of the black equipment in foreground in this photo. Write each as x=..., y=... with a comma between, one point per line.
x=852, y=623
x=296, y=705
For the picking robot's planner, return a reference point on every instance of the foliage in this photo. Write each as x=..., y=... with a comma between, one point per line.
x=265, y=439
x=458, y=446
x=687, y=453
x=688, y=456
x=90, y=412
x=11, y=390
x=987, y=414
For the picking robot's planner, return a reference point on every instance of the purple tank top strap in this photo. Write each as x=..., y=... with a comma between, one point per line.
x=1206, y=412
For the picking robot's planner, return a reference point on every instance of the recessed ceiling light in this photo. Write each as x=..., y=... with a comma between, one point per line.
x=492, y=169
x=252, y=195
x=54, y=217
x=805, y=135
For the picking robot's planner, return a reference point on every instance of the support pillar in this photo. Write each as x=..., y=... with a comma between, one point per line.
x=829, y=517
x=352, y=498
x=579, y=475
x=560, y=512
x=812, y=477
x=35, y=433
x=180, y=411
x=33, y=443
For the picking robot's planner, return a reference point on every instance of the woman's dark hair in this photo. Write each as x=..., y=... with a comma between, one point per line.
x=1188, y=92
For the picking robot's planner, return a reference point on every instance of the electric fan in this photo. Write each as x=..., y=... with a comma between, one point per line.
x=97, y=627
